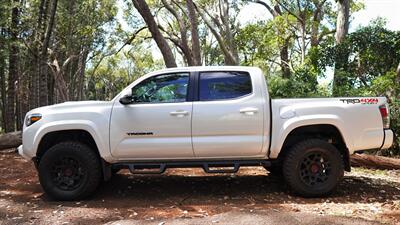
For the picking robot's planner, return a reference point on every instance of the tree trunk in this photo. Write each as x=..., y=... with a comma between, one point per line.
x=81, y=74
x=284, y=49
x=284, y=54
x=303, y=41
x=3, y=94
x=59, y=80
x=35, y=66
x=3, y=81
x=23, y=95
x=342, y=23
x=193, y=18
x=228, y=55
x=162, y=44
x=181, y=43
x=374, y=162
x=12, y=69
x=397, y=80
x=316, y=22
x=342, y=29
x=10, y=140
x=33, y=83
x=224, y=12
x=43, y=86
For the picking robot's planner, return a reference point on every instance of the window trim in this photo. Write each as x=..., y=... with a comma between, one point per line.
x=198, y=74
x=190, y=84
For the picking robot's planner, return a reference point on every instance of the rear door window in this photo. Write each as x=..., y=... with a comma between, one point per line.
x=224, y=85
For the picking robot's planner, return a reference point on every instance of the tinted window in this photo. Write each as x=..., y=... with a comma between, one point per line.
x=224, y=85
x=162, y=89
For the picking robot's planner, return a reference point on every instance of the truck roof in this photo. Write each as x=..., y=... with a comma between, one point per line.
x=205, y=68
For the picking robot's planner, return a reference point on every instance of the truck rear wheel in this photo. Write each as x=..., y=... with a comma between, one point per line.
x=69, y=171
x=274, y=170
x=313, y=168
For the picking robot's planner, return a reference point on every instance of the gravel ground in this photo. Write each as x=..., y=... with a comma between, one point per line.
x=189, y=196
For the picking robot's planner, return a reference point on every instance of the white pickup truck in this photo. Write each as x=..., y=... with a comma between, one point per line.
x=216, y=118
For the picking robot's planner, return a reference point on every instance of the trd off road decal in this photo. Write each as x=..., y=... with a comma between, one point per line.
x=368, y=101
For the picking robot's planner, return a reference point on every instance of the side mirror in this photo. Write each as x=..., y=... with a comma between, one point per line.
x=126, y=100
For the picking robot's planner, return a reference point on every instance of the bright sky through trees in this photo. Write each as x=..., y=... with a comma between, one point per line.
x=388, y=9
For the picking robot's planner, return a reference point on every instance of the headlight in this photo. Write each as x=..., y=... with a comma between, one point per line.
x=30, y=119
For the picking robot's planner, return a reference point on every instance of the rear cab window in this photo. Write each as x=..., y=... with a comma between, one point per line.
x=224, y=85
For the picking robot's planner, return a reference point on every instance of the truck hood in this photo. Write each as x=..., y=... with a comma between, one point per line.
x=71, y=106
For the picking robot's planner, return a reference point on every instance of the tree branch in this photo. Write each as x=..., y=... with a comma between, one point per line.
x=289, y=11
x=273, y=12
x=217, y=36
x=129, y=41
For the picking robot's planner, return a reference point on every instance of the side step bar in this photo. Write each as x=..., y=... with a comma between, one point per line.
x=208, y=166
x=150, y=169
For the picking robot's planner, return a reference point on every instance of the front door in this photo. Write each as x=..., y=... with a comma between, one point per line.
x=157, y=125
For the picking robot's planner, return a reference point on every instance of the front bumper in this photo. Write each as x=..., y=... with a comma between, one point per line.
x=388, y=141
x=21, y=152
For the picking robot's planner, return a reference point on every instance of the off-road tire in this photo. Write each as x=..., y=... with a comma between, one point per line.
x=64, y=159
x=299, y=168
x=275, y=170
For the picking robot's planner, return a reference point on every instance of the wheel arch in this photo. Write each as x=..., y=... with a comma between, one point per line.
x=51, y=138
x=327, y=132
x=98, y=134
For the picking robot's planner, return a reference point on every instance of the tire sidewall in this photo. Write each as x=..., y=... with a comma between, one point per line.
x=292, y=168
x=79, y=152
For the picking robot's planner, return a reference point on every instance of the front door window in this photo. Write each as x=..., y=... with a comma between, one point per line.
x=166, y=88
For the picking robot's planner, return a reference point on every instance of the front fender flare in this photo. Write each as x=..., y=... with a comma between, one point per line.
x=85, y=125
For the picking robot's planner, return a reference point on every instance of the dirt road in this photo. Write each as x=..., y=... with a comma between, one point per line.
x=188, y=196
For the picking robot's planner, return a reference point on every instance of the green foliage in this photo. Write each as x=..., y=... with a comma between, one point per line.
x=111, y=74
x=84, y=22
x=302, y=84
x=256, y=43
x=366, y=54
x=395, y=126
x=388, y=85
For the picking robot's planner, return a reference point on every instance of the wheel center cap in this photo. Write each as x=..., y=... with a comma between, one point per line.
x=68, y=172
x=314, y=168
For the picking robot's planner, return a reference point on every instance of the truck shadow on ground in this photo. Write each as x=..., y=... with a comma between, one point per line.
x=226, y=189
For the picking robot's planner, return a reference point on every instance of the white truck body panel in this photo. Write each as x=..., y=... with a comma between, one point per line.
x=234, y=128
x=91, y=116
x=355, y=121
x=171, y=135
x=227, y=129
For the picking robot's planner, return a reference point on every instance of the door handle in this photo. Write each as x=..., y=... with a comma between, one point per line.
x=249, y=111
x=179, y=113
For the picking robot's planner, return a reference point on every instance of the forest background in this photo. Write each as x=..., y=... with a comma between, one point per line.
x=52, y=51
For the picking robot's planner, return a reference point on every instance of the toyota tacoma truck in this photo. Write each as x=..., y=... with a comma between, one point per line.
x=215, y=118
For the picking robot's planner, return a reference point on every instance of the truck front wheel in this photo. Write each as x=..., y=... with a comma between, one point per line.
x=313, y=168
x=69, y=171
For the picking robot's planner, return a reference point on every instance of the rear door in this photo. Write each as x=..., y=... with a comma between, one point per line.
x=227, y=119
